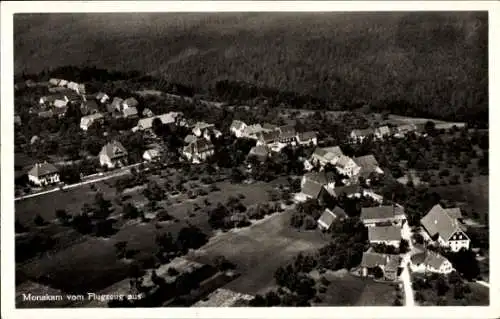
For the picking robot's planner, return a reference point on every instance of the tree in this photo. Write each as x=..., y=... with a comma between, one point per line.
x=130, y=211
x=272, y=299
x=120, y=249
x=403, y=246
x=441, y=286
x=191, y=237
x=258, y=301
x=19, y=227
x=39, y=221
x=62, y=216
x=82, y=223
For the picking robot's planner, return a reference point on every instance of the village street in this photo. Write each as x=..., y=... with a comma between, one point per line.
x=405, y=275
x=86, y=180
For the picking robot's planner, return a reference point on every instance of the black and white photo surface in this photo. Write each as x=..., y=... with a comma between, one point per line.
x=172, y=160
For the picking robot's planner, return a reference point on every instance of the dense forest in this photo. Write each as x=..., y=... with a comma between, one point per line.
x=425, y=64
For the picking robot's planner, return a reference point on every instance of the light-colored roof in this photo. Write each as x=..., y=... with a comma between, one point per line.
x=384, y=233
x=113, y=149
x=311, y=189
x=372, y=259
x=147, y=112
x=237, y=124
x=434, y=260
x=130, y=111
x=199, y=145
x=252, y=129
x=347, y=190
x=344, y=161
x=328, y=153
x=368, y=164
x=287, y=129
x=223, y=298
x=90, y=118
x=152, y=153
x=131, y=101
x=189, y=138
x=116, y=102
x=306, y=136
x=329, y=216
x=363, y=132
x=202, y=126
x=166, y=118
x=100, y=95
x=42, y=169
x=438, y=221
x=454, y=212
x=383, y=130
x=259, y=150
x=60, y=103
x=322, y=177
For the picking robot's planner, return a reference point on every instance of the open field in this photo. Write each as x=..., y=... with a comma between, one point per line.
x=259, y=250
x=349, y=290
x=473, y=196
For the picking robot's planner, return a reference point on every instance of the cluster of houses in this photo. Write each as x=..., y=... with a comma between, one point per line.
x=358, y=135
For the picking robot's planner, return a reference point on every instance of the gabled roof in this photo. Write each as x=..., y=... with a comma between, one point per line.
x=90, y=118
x=269, y=126
x=152, y=153
x=306, y=136
x=89, y=106
x=46, y=114
x=368, y=164
x=269, y=137
x=438, y=221
x=237, y=124
x=454, y=212
x=384, y=233
x=372, y=259
x=166, y=118
x=147, y=112
x=42, y=169
x=252, y=129
x=407, y=127
x=363, y=132
x=434, y=260
x=198, y=145
x=344, y=161
x=328, y=153
x=113, y=150
x=380, y=212
x=131, y=102
x=347, y=190
x=60, y=103
x=322, y=178
x=117, y=102
x=259, y=150
x=130, y=111
x=287, y=129
x=202, y=126
x=100, y=95
x=329, y=216
x=311, y=189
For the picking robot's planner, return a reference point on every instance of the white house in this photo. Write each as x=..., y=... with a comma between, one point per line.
x=87, y=121
x=113, y=155
x=43, y=174
x=323, y=156
x=347, y=166
x=198, y=150
x=444, y=227
x=151, y=155
x=237, y=127
x=359, y=135
x=432, y=262
x=102, y=97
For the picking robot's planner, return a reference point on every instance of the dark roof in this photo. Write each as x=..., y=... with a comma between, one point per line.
x=347, y=190
x=304, y=136
x=42, y=169
x=438, y=221
x=372, y=259
x=434, y=260
x=384, y=233
x=311, y=189
x=269, y=137
x=117, y=102
x=259, y=150
x=287, y=129
x=381, y=212
x=113, y=149
x=269, y=126
x=201, y=145
x=322, y=178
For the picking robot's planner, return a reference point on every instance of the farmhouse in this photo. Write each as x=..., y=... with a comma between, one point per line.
x=198, y=150
x=151, y=155
x=43, y=174
x=167, y=118
x=347, y=166
x=443, y=226
x=329, y=216
x=116, y=104
x=316, y=186
x=432, y=262
x=87, y=121
x=389, y=264
x=130, y=112
x=113, y=155
x=252, y=131
x=382, y=132
x=268, y=138
x=102, y=97
x=360, y=135
x=260, y=152
x=237, y=127
x=307, y=138
x=372, y=216
x=206, y=130
x=388, y=235
x=323, y=156
x=368, y=165
x=130, y=102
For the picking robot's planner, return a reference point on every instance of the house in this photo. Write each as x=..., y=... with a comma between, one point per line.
x=252, y=131
x=54, y=82
x=325, y=179
x=370, y=193
x=89, y=107
x=382, y=132
x=43, y=174
x=402, y=130
x=198, y=150
x=388, y=214
x=350, y=191
x=130, y=112
x=151, y=154
x=147, y=113
x=63, y=83
x=329, y=216
x=72, y=86
x=307, y=138
x=102, y=97
x=268, y=138
x=347, y=166
x=260, y=152
x=130, y=102
x=388, y=235
x=113, y=155
x=167, y=118
x=269, y=127
x=360, y=135
x=368, y=165
x=116, y=104
x=287, y=135
x=206, y=130
x=389, y=264
x=80, y=89
x=443, y=226
x=326, y=155
x=429, y=261
x=88, y=120
x=237, y=127
x=51, y=99
x=316, y=186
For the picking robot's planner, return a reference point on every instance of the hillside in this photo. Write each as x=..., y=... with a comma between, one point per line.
x=436, y=62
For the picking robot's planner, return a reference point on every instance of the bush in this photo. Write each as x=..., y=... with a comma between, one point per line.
x=172, y=272
x=39, y=221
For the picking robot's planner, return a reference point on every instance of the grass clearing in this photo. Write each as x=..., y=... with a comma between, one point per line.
x=259, y=250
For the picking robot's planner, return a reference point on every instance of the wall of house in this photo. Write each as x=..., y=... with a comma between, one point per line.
x=456, y=245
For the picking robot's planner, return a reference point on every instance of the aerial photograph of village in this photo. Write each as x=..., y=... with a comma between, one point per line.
x=251, y=159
